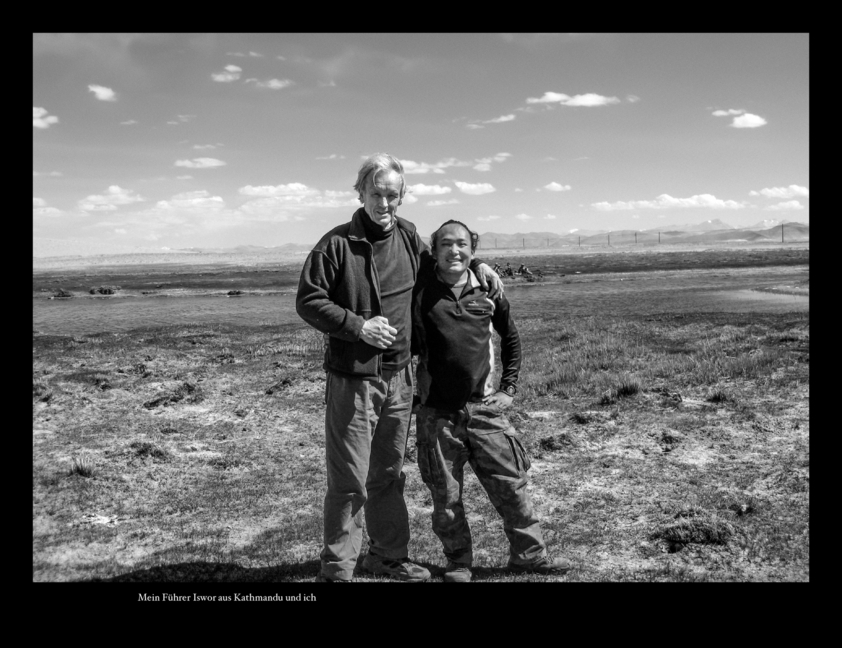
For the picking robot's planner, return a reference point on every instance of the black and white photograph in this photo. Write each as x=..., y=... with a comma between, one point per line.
x=419, y=307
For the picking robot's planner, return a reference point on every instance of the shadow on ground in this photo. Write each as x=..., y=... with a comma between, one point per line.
x=209, y=572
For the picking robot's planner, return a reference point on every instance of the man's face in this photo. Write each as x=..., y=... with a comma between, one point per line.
x=382, y=197
x=453, y=249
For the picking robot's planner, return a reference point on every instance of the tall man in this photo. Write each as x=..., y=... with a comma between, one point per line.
x=356, y=287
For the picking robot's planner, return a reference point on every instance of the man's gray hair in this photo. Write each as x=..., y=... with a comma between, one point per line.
x=373, y=165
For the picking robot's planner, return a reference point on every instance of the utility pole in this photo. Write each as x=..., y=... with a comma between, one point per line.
x=659, y=237
x=782, y=232
x=635, y=238
x=524, y=243
x=580, y=241
x=609, y=240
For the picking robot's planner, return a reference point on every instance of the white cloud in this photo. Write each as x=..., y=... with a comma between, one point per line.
x=725, y=113
x=108, y=201
x=487, y=218
x=420, y=167
x=554, y=186
x=45, y=211
x=790, y=205
x=549, y=217
x=474, y=189
x=500, y=120
x=40, y=118
x=102, y=93
x=39, y=202
x=291, y=189
x=632, y=98
x=332, y=156
x=272, y=84
x=474, y=125
x=748, y=121
x=200, y=163
x=203, y=147
x=484, y=164
x=439, y=203
x=480, y=164
x=120, y=230
x=294, y=195
x=56, y=174
x=182, y=119
x=428, y=190
x=192, y=200
x=408, y=199
x=587, y=99
x=665, y=201
x=128, y=122
x=231, y=73
x=523, y=217
x=782, y=192
x=184, y=177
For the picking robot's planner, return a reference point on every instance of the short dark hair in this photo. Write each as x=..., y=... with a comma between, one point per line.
x=473, y=235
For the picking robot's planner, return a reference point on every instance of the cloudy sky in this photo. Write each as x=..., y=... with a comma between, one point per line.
x=150, y=141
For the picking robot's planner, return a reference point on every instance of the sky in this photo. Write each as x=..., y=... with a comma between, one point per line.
x=148, y=142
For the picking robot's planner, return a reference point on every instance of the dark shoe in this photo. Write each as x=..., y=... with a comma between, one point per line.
x=457, y=573
x=402, y=569
x=321, y=578
x=547, y=566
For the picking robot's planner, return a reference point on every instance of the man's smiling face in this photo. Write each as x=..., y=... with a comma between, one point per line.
x=382, y=197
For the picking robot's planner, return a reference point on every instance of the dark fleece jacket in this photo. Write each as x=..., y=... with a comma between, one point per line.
x=339, y=290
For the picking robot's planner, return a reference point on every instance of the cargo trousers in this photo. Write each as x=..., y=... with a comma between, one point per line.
x=366, y=431
x=483, y=437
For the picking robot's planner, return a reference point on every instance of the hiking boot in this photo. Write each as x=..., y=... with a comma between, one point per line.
x=401, y=569
x=321, y=578
x=547, y=566
x=457, y=573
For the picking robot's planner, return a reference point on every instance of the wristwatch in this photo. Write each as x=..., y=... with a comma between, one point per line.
x=511, y=390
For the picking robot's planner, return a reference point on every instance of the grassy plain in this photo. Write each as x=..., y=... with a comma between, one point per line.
x=669, y=441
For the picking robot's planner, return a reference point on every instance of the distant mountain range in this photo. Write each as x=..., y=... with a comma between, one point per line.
x=711, y=231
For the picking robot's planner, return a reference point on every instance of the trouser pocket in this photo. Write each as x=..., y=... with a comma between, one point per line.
x=518, y=452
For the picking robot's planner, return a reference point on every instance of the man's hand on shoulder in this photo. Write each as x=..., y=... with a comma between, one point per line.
x=490, y=282
x=378, y=333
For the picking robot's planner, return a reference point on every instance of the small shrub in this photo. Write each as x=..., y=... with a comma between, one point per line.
x=82, y=466
x=581, y=417
x=555, y=442
x=699, y=528
x=41, y=392
x=718, y=396
x=628, y=386
x=608, y=397
x=148, y=449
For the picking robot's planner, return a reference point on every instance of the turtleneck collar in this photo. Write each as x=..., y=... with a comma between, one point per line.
x=373, y=232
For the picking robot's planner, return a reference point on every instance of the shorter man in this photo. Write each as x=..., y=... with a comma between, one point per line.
x=459, y=419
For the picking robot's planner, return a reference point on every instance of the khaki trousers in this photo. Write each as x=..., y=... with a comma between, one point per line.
x=366, y=430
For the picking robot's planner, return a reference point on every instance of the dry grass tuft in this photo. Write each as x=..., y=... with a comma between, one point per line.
x=149, y=449
x=82, y=466
x=698, y=529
